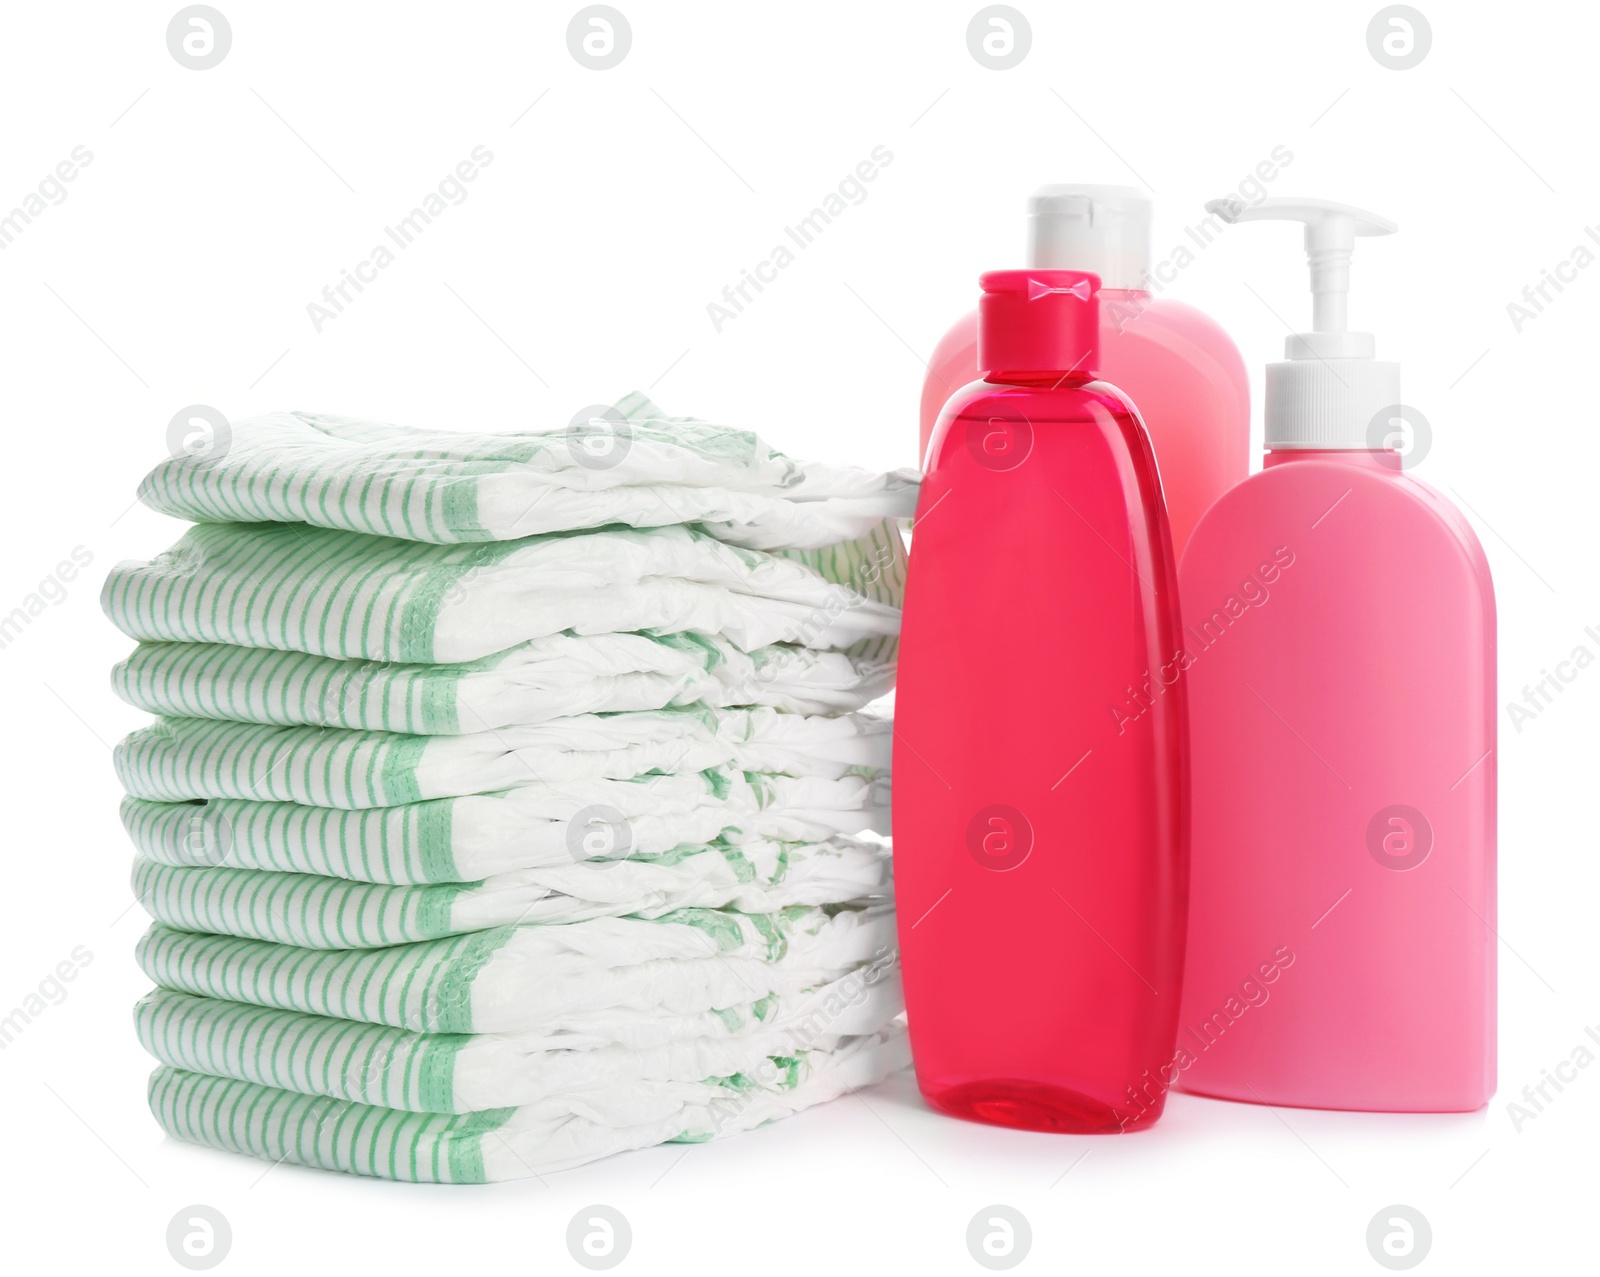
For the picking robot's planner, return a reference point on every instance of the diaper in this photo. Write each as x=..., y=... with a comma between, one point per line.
x=529, y=827
x=356, y=597
x=633, y=466
x=187, y=758
x=465, y=1072
x=517, y=978
x=757, y=877
x=552, y=677
x=866, y=996
x=549, y=1135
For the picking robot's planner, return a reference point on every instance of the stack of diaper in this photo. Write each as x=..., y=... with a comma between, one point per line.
x=511, y=797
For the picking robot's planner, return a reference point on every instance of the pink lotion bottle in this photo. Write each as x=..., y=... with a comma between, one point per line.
x=1175, y=363
x=1340, y=640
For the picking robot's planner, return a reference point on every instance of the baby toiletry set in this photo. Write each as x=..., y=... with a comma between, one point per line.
x=1247, y=847
x=516, y=799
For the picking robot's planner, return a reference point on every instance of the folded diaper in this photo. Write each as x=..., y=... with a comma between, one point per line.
x=552, y=1134
x=757, y=877
x=350, y=596
x=552, y=677
x=532, y=826
x=187, y=758
x=632, y=466
x=518, y=978
x=577, y=1035
x=464, y=1072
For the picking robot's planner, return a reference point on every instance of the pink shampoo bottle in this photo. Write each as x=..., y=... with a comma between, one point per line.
x=1340, y=661
x=1177, y=365
x=1040, y=838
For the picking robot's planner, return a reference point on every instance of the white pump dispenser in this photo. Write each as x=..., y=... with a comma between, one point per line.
x=1329, y=392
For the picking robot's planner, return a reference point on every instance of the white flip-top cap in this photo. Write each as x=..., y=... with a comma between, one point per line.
x=1329, y=391
x=1104, y=229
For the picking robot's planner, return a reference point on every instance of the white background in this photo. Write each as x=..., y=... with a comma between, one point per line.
x=219, y=203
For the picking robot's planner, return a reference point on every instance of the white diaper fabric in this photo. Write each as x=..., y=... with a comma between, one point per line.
x=178, y=759
x=314, y=911
x=295, y=588
x=517, y=978
x=553, y=677
x=466, y=1072
x=630, y=465
x=532, y=826
x=490, y=1145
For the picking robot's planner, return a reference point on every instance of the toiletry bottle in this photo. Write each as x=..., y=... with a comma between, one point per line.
x=1340, y=659
x=1176, y=364
x=1039, y=788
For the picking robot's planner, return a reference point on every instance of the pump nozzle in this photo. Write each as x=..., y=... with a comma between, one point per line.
x=1320, y=404
x=1331, y=231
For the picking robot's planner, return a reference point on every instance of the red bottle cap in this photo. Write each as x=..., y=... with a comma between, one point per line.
x=1042, y=321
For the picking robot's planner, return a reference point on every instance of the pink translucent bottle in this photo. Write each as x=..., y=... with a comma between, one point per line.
x=1174, y=362
x=1340, y=660
x=1039, y=784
